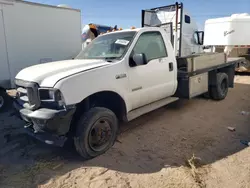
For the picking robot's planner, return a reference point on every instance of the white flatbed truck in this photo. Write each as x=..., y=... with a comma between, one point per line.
x=118, y=77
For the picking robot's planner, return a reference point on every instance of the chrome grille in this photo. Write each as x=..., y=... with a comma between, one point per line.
x=27, y=94
x=22, y=94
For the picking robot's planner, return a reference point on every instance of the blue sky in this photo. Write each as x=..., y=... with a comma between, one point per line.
x=127, y=13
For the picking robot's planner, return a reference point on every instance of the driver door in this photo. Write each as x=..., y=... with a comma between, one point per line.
x=154, y=80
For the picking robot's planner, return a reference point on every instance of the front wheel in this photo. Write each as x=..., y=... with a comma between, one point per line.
x=96, y=132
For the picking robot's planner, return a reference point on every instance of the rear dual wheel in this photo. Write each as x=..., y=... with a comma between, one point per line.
x=220, y=89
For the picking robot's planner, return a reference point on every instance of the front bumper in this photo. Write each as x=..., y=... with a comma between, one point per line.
x=47, y=125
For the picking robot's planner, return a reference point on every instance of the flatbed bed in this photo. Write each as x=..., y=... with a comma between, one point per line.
x=194, y=78
x=182, y=71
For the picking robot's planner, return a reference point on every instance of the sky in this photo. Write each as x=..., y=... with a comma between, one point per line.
x=127, y=13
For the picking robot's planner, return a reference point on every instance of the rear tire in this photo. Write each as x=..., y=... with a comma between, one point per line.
x=5, y=101
x=220, y=90
x=89, y=137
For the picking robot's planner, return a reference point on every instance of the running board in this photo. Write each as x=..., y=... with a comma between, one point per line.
x=150, y=107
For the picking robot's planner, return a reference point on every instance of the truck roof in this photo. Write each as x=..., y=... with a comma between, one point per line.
x=136, y=29
x=124, y=30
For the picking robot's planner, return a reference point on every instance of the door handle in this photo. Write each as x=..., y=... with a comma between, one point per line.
x=171, y=66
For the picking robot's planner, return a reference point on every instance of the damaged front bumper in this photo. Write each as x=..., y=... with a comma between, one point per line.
x=47, y=125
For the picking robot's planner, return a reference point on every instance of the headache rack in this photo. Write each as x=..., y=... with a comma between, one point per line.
x=150, y=14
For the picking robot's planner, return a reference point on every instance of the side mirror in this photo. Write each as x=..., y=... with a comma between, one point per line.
x=199, y=37
x=139, y=59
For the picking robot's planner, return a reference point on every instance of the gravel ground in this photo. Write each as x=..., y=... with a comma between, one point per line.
x=183, y=145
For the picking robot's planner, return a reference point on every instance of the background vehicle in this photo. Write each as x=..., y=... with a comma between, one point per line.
x=228, y=34
x=170, y=18
x=91, y=31
x=119, y=76
x=54, y=33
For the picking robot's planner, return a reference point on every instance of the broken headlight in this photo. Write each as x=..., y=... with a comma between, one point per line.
x=51, y=95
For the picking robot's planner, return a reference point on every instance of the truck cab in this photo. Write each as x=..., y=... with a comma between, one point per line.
x=131, y=63
x=115, y=74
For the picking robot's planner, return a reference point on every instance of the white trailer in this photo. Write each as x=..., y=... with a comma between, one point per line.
x=32, y=33
x=231, y=35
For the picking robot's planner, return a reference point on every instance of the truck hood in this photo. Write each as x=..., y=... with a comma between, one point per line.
x=48, y=74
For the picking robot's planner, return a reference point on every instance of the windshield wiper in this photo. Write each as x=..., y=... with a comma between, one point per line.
x=109, y=59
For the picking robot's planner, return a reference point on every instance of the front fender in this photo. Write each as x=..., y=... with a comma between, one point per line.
x=76, y=88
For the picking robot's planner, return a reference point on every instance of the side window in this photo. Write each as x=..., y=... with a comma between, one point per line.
x=152, y=45
x=187, y=19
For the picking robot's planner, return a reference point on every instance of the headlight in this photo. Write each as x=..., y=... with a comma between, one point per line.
x=51, y=95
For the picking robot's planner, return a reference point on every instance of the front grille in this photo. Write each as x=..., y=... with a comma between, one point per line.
x=27, y=94
x=22, y=94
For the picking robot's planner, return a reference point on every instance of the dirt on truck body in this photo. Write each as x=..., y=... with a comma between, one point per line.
x=183, y=145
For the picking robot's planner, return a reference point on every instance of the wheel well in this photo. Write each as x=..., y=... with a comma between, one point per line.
x=107, y=99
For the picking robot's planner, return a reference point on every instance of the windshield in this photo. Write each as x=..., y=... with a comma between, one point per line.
x=111, y=46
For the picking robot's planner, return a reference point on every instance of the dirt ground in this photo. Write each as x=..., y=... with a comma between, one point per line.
x=183, y=145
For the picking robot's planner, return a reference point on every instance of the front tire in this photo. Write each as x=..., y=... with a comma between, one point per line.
x=96, y=132
x=220, y=90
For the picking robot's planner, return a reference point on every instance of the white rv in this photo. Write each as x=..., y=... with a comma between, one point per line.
x=231, y=35
x=31, y=34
